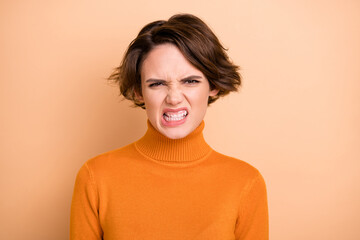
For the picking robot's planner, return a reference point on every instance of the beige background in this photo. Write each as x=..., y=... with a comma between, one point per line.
x=297, y=117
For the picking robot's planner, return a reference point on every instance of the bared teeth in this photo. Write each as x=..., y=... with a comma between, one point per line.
x=175, y=116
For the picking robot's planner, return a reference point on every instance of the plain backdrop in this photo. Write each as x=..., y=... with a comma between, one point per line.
x=296, y=117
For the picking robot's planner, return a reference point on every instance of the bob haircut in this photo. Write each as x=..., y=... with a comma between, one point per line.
x=197, y=43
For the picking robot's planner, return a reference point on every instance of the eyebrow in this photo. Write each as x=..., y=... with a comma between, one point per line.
x=183, y=79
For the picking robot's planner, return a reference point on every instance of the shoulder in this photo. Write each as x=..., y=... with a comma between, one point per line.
x=236, y=164
x=110, y=161
x=237, y=168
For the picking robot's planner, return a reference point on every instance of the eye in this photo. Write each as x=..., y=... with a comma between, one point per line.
x=191, y=81
x=155, y=84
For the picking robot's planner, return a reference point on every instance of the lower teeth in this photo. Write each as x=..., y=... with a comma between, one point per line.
x=173, y=118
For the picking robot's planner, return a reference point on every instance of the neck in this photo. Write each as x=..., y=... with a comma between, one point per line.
x=163, y=149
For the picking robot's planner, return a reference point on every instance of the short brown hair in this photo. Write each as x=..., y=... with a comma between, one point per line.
x=197, y=43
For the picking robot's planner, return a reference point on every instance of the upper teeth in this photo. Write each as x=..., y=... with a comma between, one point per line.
x=175, y=116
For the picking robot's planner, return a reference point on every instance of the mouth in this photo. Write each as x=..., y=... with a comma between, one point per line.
x=174, y=117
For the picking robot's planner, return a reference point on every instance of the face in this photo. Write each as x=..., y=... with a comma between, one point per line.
x=175, y=93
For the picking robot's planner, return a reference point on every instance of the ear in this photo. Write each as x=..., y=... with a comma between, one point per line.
x=213, y=92
x=138, y=96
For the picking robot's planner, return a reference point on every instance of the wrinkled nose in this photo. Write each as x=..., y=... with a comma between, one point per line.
x=174, y=97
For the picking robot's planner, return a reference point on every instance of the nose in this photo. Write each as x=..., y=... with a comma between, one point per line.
x=174, y=96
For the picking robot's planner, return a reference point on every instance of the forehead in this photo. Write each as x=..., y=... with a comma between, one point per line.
x=166, y=61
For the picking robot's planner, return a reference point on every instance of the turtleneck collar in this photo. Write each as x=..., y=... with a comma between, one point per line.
x=163, y=149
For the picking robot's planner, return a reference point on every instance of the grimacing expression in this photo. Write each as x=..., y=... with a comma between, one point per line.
x=175, y=93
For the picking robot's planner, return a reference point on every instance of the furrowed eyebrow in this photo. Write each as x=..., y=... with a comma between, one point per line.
x=162, y=80
x=192, y=77
x=154, y=80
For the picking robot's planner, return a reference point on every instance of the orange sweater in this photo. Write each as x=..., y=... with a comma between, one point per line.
x=159, y=188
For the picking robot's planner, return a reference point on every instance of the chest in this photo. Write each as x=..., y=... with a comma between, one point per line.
x=188, y=205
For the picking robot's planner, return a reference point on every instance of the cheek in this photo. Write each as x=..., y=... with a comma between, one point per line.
x=151, y=112
x=153, y=103
x=199, y=98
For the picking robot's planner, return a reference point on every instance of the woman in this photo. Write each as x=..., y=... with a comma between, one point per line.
x=170, y=184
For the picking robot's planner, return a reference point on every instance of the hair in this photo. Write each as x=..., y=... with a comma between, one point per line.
x=197, y=43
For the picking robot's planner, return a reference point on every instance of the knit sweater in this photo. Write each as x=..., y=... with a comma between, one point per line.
x=173, y=189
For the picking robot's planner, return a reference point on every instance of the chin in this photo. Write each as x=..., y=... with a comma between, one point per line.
x=175, y=131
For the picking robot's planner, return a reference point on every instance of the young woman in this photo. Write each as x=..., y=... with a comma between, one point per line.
x=170, y=184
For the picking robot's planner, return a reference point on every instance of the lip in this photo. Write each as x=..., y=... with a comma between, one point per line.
x=173, y=123
x=174, y=110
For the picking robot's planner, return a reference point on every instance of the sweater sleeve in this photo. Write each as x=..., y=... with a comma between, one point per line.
x=253, y=212
x=84, y=219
